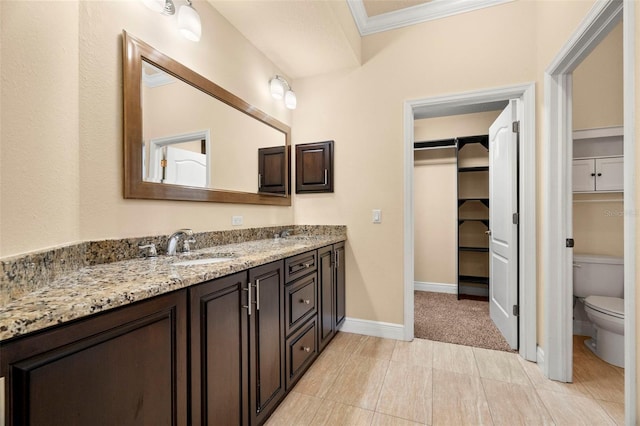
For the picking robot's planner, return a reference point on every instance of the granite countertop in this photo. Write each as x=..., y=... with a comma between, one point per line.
x=98, y=288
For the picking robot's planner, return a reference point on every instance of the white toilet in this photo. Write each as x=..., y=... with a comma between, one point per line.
x=599, y=282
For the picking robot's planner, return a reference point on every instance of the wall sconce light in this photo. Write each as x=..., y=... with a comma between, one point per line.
x=280, y=88
x=188, y=19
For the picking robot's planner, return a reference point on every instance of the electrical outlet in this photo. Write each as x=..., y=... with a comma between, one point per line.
x=376, y=215
x=236, y=220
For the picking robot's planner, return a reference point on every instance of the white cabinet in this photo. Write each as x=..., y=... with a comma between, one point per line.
x=598, y=174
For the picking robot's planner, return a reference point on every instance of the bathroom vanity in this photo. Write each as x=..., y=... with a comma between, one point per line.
x=181, y=341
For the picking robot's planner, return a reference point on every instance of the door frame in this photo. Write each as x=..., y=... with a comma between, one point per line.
x=557, y=341
x=466, y=102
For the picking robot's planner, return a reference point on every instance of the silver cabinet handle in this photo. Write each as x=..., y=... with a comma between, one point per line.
x=326, y=176
x=307, y=265
x=577, y=265
x=305, y=301
x=248, y=290
x=306, y=348
x=259, y=180
x=337, y=256
x=488, y=232
x=257, y=294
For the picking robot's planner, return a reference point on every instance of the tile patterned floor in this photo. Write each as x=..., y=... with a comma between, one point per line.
x=360, y=380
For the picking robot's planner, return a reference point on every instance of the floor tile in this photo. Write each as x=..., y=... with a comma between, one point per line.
x=346, y=342
x=297, y=409
x=574, y=410
x=454, y=358
x=385, y=420
x=376, y=347
x=498, y=365
x=407, y=392
x=514, y=404
x=419, y=352
x=615, y=410
x=333, y=413
x=360, y=382
x=540, y=382
x=458, y=399
x=322, y=374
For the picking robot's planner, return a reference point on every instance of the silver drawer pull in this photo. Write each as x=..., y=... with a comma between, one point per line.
x=307, y=265
x=305, y=301
x=306, y=349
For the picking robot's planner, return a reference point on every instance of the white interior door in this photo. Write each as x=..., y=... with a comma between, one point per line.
x=503, y=241
x=185, y=167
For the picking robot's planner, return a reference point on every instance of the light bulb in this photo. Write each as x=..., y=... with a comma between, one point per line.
x=189, y=23
x=277, y=87
x=290, y=99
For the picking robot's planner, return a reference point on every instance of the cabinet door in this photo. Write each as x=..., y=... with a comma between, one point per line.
x=272, y=170
x=219, y=356
x=266, y=340
x=123, y=367
x=326, y=321
x=609, y=174
x=583, y=175
x=314, y=167
x=340, y=296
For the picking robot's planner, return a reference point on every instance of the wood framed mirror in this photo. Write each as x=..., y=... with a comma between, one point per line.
x=186, y=138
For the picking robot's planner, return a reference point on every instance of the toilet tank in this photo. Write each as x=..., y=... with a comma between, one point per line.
x=595, y=275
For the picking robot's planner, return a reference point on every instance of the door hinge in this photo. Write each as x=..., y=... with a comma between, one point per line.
x=570, y=243
x=516, y=310
x=516, y=218
x=515, y=128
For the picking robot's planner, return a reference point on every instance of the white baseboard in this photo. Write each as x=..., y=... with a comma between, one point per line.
x=385, y=330
x=435, y=287
x=540, y=358
x=583, y=328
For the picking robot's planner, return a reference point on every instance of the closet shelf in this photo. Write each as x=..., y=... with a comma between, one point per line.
x=484, y=221
x=474, y=169
x=475, y=249
x=484, y=201
x=473, y=279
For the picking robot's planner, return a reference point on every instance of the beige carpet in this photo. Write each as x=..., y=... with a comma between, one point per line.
x=443, y=318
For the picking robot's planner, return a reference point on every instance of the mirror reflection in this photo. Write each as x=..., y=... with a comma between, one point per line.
x=186, y=138
x=193, y=139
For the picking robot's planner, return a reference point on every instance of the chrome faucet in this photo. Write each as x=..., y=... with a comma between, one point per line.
x=286, y=233
x=173, y=240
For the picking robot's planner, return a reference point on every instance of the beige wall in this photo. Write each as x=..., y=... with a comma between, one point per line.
x=598, y=224
x=61, y=164
x=435, y=195
x=498, y=46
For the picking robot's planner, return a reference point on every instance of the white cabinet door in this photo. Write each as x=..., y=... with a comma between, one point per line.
x=609, y=174
x=598, y=174
x=584, y=175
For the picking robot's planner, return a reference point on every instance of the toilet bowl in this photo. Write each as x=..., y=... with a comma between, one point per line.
x=599, y=282
x=607, y=314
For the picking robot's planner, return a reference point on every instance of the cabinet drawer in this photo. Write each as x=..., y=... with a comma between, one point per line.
x=302, y=349
x=300, y=265
x=301, y=301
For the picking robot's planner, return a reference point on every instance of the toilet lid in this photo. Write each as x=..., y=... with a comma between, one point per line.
x=613, y=306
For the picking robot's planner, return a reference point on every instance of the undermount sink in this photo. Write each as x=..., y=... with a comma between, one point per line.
x=204, y=259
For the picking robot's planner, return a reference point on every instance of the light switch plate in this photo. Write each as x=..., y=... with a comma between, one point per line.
x=236, y=220
x=376, y=215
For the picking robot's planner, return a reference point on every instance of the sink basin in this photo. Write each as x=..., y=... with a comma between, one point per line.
x=204, y=260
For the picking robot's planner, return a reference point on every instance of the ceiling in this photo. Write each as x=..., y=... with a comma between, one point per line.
x=312, y=37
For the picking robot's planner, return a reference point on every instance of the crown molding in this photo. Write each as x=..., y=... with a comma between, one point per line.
x=413, y=15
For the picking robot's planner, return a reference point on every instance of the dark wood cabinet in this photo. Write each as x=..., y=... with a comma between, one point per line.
x=266, y=340
x=223, y=352
x=219, y=352
x=273, y=170
x=331, y=291
x=123, y=367
x=340, y=279
x=314, y=167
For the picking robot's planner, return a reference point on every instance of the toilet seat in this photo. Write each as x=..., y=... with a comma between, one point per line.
x=613, y=306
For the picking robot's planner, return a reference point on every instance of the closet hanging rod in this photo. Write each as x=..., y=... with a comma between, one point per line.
x=434, y=147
